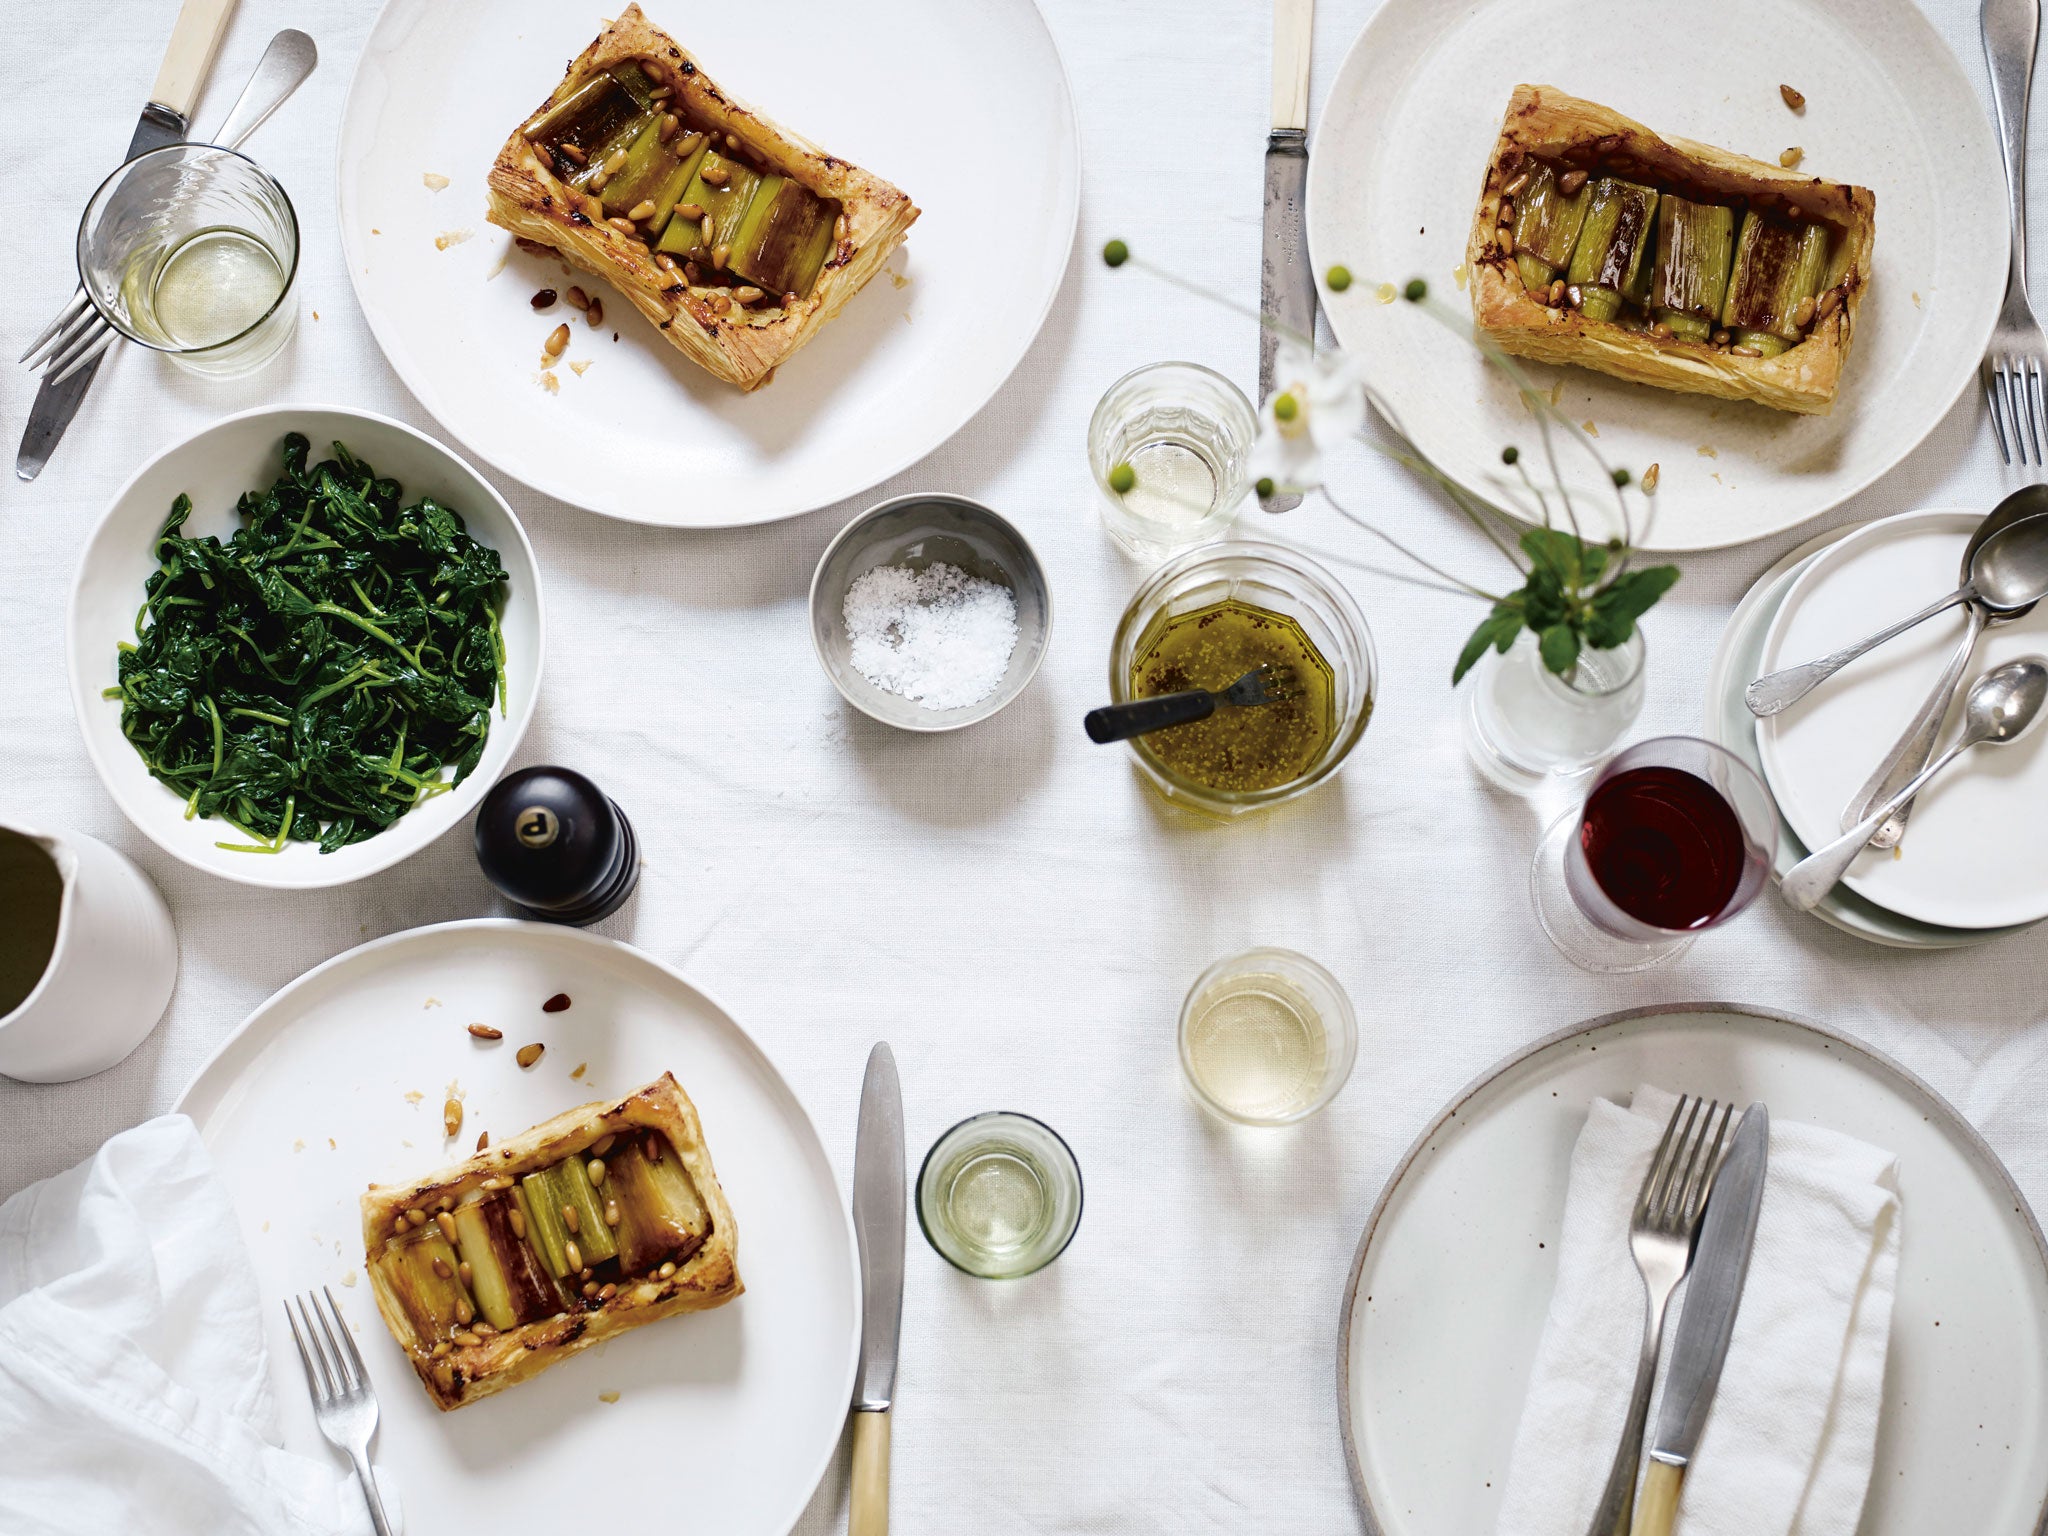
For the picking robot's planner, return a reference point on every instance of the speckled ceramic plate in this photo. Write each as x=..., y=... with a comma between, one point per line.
x=1395, y=171
x=1454, y=1272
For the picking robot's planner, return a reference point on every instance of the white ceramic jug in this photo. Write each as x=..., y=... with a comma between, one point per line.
x=88, y=955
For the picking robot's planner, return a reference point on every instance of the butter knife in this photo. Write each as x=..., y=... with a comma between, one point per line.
x=1713, y=1294
x=165, y=120
x=1287, y=284
x=879, y=1196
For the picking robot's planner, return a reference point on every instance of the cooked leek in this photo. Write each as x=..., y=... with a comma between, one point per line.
x=1547, y=223
x=1788, y=268
x=1691, y=279
x=422, y=1275
x=661, y=1215
x=1608, y=261
x=505, y=1273
x=784, y=238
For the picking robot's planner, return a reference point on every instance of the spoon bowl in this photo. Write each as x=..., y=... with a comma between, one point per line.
x=2009, y=569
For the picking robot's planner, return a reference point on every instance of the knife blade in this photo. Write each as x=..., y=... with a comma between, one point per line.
x=165, y=118
x=879, y=1197
x=1713, y=1295
x=1287, y=286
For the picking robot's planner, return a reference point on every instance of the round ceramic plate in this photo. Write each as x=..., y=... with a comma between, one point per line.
x=339, y=1080
x=1975, y=853
x=1730, y=724
x=215, y=467
x=965, y=107
x=1396, y=168
x=1449, y=1288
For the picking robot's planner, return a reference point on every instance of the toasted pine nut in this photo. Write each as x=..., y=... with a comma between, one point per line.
x=484, y=1031
x=572, y=1220
x=666, y=1270
x=465, y=1311
x=1829, y=303
x=1570, y=182
x=1791, y=157
x=416, y=1216
x=732, y=141
x=590, y=1289
x=597, y=183
x=443, y=1269
x=611, y=1213
x=669, y=124
x=1514, y=188
x=1557, y=290
x=641, y=211
x=663, y=260
x=573, y=1254
x=1746, y=351
x=661, y=93
x=447, y=1225
x=615, y=162
x=451, y=1115
x=529, y=1054
x=496, y=1183
x=595, y=314
x=576, y=298
x=1792, y=98
x=1803, y=315
x=558, y=339
x=1505, y=239
x=622, y=225
x=839, y=227
x=442, y=1348
x=467, y=1275
x=715, y=175
x=608, y=1292
x=1650, y=479
x=518, y=1222
x=746, y=293
x=594, y=1171
x=603, y=1145
x=574, y=153
x=1507, y=211
x=483, y=1139
x=704, y=231
x=694, y=212
x=720, y=304
x=720, y=255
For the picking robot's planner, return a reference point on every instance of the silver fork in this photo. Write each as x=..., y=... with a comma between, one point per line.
x=1660, y=1233
x=344, y=1405
x=2019, y=351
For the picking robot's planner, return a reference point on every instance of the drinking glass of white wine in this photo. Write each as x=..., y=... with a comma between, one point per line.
x=193, y=251
x=1267, y=1037
x=999, y=1195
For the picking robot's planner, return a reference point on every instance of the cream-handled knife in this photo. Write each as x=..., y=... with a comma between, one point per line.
x=1713, y=1295
x=1287, y=284
x=879, y=1196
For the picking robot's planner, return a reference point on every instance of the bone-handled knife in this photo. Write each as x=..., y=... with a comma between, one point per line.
x=1713, y=1295
x=1287, y=284
x=879, y=1196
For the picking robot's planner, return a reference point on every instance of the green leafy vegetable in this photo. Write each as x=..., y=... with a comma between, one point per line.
x=311, y=679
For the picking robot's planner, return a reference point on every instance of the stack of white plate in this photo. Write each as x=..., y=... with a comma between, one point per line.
x=1974, y=862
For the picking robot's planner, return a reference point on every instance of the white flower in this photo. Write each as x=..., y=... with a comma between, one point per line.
x=1317, y=402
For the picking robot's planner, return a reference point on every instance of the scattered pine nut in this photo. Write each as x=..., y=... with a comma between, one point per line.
x=529, y=1054
x=557, y=340
x=1791, y=157
x=1793, y=99
x=485, y=1032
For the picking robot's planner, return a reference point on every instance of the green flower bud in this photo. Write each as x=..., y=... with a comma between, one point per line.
x=1621, y=477
x=1122, y=478
x=1339, y=278
x=1416, y=290
x=1509, y=454
x=1264, y=487
x=1116, y=253
x=1285, y=407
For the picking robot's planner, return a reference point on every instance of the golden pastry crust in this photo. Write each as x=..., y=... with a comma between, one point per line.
x=741, y=347
x=1545, y=123
x=709, y=1278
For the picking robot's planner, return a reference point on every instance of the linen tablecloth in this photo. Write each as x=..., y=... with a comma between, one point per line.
x=1007, y=905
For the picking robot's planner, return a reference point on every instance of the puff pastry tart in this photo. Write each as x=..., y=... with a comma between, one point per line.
x=734, y=236
x=1666, y=262
x=599, y=1220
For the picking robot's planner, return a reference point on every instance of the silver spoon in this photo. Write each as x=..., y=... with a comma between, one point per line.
x=1909, y=754
x=2008, y=573
x=2003, y=706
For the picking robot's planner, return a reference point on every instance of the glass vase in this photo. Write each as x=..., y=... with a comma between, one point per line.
x=1526, y=726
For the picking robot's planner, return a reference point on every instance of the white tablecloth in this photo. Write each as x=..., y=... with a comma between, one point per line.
x=1006, y=905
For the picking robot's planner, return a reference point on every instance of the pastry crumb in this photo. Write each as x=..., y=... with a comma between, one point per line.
x=577, y=366
x=1557, y=393
x=433, y=1002
x=298, y=1146
x=434, y=180
x=266, y=1226
x=449, y=237
x=1591, y=430
x=581, y=1068
x=897, y=278
x=331, y=1146
x=414, y=1096
x=607, y=1397
x=1461, y=274
x=548, y=381
x=1708, y=451
x=349, y=1279
x=1916, y=305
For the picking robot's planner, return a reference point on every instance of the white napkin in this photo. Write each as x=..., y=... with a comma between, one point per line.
x=134, y=1389
x=1788, y=1446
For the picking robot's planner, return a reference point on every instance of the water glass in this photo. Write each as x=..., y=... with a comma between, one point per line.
x=1186, y=432
x=193, y=251
x=1526, y=726
x=999, y=1196
x=1675, y=837
x=1267, y=1037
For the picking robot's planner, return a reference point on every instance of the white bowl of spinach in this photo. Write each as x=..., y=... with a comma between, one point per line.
x=303, y=644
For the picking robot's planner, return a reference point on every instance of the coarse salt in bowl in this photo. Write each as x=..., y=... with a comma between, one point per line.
x=914, y=605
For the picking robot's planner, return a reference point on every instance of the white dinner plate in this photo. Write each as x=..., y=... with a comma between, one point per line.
x=1975, y=853
x=1453, y=1275
x=1395, y=174
x=724, y=1420
x=965, y=107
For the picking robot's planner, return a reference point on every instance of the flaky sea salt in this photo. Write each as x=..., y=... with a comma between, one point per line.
x=938, y=637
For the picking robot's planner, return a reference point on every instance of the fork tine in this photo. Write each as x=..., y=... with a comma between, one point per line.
x=2009, y=424
x=68, y=345
x=1660, y=1163
x=1991, y=407
x=108, y=337
x=2035, y=412
x=1671, y=1199
x=351, y=1360
x=58, y=326
x=63, y=336
x=329, y=1346
x=1700, y=1176
x=316, y=1374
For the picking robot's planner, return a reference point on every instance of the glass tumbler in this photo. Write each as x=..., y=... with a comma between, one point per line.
x=1675, y=837
x=1186, y=432
x=999, y=1196
x=1526, y=726
x=193, y=251
x=1282, y=581
x=1267, y=1037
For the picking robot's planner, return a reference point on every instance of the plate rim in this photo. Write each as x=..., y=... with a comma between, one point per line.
x=1865, y=535
x=1979, y=1148
x=632, y=953
x=1317, y=195
x=568, y=491
x=257, y=875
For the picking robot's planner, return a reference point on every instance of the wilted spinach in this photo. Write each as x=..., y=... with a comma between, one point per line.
x=311, y=679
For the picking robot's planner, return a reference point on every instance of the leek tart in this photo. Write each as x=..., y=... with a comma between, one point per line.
x=1666, y=262
x=599, y=1220
x=734, y=236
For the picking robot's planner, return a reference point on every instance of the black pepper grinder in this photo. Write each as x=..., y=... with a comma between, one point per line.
x=557, y=846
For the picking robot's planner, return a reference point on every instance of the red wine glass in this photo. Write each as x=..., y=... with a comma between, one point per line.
x=1675, y=837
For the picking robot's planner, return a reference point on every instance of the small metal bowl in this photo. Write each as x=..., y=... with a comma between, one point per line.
x=918, y=530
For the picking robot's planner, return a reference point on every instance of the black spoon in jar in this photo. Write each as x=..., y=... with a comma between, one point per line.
x=1140, y=717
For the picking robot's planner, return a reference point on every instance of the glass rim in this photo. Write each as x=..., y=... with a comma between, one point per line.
x=163, y=152
x=1098, y=420
x=1340, y=598
x=1635, y=640
x=1333, y=1081
x=945, y=1136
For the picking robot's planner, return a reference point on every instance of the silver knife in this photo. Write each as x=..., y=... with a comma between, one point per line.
x=194, y=41
x=1713, y=1295
x=879, y=1195
x=1287, y=284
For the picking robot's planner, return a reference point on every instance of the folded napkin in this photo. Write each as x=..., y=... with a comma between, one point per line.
x=134, y=1388
x=1788, y=1446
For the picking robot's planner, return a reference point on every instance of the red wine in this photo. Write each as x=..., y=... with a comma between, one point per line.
x=1664, y=845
